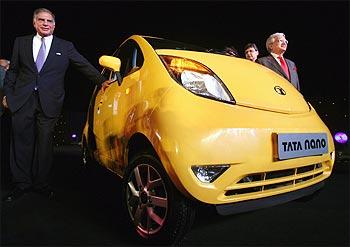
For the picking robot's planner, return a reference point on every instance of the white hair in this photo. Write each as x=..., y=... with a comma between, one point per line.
x=272, y=39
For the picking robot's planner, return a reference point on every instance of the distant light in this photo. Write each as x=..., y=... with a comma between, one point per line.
x=74, y=136
x=341, y=137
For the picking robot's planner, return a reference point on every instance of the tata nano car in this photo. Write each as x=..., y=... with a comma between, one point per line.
x=183, y=126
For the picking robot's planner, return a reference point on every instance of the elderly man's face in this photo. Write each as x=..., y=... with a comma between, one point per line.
x=44, y=24
x=279, y=46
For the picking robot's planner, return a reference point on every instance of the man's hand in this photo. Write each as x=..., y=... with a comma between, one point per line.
x=4, y=102
x=106, y=84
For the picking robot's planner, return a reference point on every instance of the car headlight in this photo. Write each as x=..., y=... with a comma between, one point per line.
x=197, y=78
x=208, y=173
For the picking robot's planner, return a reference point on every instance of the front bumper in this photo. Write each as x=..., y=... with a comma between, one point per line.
x=245, y=206
x=238, y=136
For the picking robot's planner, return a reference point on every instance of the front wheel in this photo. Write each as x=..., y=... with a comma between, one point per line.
x=155, y=210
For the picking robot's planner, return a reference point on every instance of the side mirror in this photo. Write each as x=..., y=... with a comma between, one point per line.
x=110, y=62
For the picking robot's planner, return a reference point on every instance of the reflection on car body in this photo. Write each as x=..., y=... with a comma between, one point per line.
x=183, y=126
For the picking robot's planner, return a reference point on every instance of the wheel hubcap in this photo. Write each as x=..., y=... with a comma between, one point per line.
x=143, y=197
x=147, y=199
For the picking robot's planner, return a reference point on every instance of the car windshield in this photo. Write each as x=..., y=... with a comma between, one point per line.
x=158, y=43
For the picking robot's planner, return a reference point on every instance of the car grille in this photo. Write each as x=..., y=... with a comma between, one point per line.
x=260, y=182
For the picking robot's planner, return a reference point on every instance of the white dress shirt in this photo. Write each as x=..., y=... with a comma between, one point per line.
x=37, y=44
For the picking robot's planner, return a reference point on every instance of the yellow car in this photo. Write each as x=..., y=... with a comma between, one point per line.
x=182, y=126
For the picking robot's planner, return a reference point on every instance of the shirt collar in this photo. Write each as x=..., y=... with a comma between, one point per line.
x=275, y=55
x=47, y=38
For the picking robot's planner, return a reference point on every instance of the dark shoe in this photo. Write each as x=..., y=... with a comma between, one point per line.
x=15, y=194
x=46, y=192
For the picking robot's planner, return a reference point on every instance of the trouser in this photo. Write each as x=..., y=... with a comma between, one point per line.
x=5, y=133
x=31, y=145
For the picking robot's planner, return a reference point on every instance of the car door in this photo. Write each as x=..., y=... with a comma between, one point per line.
x=116, y=104
x=100, y=114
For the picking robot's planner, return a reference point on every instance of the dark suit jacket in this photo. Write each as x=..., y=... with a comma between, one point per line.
x=22, y=76
x=270, y=62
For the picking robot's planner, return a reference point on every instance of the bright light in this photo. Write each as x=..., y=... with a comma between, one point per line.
x=208, y=174
x=341, y=137
x=74, y=136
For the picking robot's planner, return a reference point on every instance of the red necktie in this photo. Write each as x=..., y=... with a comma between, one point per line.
x=284, y=66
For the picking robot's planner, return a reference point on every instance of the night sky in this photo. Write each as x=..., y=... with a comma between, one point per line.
x=317, y=31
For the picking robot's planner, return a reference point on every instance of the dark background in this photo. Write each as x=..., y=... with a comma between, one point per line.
x=318, y=34
x=317, y=31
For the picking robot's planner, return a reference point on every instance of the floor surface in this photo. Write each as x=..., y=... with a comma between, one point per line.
x=86, y=212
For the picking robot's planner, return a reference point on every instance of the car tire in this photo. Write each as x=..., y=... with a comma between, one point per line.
x=154, y=210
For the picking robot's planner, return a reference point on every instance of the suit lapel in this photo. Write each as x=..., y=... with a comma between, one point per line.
x=28, y=49
x=278, y=67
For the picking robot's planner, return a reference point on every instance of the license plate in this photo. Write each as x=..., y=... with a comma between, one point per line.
x=294, y=145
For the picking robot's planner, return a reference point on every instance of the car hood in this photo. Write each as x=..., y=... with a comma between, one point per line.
x=251, y=84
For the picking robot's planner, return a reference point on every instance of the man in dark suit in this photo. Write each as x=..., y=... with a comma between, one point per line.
x=2, y=76
x=3, y=69
x=34, y=94
x=276, y=45
x=4, y=66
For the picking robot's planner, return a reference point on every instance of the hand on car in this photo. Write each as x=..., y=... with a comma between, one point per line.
x=106, y=84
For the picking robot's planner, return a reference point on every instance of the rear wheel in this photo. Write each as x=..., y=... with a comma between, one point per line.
x=155, y=210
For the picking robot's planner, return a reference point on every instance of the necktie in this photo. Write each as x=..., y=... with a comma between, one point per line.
x=284, y=66
x=40, y=59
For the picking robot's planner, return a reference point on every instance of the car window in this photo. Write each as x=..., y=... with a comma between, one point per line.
x=109, y=74
x=131, y=57
x=158, y=43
